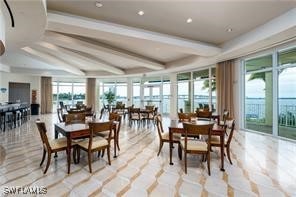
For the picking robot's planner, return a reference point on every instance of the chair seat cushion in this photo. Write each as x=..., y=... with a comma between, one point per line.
x=166, y=136
x=215, y=140
x=58, y=143
x=194, y=145
x=97, y=142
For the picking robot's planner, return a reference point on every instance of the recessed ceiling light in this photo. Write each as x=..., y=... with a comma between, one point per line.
x=189, y=20
x=99, y=4
x=229, y=30
x=141, y=13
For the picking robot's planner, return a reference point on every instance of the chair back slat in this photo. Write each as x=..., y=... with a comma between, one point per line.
x=159, y=125
x=42, y=131
x=60, y=114
x=229, y=126
x=95, y=127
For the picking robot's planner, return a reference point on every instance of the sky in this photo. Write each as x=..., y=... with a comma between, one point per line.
x=287, y=85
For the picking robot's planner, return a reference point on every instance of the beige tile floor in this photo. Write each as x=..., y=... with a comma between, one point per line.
x=262, y=166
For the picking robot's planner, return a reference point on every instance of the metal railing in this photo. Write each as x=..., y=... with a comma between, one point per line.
x=256, y=113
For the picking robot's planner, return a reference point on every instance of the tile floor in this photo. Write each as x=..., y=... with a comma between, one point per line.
x=262, y=166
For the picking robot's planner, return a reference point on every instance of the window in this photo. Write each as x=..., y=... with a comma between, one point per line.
x=67, y=92
x=118, y=87
x=258, y=94
x=264, y=78
x=287, y=93
x=136, y=94
x=166, y=98
x=201, y=89
x=184, y=91
x=201, y=94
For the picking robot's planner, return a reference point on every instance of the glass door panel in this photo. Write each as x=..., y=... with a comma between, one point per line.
x=287, y=103
x=258, y=102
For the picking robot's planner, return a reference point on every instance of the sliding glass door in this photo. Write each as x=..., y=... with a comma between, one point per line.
x=258, y=94
x=287, y=93
x=270, y=93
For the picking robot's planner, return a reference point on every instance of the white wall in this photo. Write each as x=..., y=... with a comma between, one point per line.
x=5, y=78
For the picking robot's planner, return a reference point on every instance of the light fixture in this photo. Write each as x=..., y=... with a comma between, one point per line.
x=99, y=4
x=189, y=20
x=229, y=30
x=141, y=13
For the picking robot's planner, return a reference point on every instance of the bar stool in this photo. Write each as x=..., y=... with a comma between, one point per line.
x=2, y=119
x=17, y=116
x=9, y=118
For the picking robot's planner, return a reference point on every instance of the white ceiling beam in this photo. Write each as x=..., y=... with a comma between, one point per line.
x=78, y=59
x=94, y=49
x=91, y=27
x=52, y=60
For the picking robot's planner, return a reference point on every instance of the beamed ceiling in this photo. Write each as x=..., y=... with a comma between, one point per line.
x=76, y=38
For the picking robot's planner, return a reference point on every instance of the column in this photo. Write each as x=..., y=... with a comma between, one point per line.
x=174, y=96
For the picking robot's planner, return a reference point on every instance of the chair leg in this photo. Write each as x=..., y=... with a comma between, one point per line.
x=180, y=151
x=160, y=147
x=89, y=161
x=185, y=159
x=48, y=162
x=117, y=141
x=228, y=154
x=43, y=157
x=99, y=153
x=75, y=155
x=208, y=161
x=103, y=153
x=108, y=153
x=78, y=155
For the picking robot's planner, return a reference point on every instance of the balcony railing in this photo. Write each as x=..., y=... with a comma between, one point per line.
x=256, y=113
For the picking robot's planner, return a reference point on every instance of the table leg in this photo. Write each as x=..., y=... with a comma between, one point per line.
x=68, y=153
x=222, y=151
x=171, y=146
x=115, y=139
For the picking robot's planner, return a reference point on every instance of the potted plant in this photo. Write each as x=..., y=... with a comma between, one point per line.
x=110, y=97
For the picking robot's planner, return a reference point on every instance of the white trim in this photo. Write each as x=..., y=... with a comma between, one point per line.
x=275, y=100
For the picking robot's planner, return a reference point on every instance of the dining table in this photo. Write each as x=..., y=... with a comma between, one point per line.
x=78, y=131
x=177, y=127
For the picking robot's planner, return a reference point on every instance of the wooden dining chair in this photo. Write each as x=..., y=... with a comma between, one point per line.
x=113, y=117
x=61, y=117
x=75, y=118
x=229, y=128
x=50, y=146
x=184, y=117
x=135, y=116
x=196, y=146
x=224, y=117
x=164, y=136
x=96, y=143
x=204, y=115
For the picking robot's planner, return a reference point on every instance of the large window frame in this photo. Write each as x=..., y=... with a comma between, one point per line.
x=191, y=83
x=275, y=69
x=72, y=84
